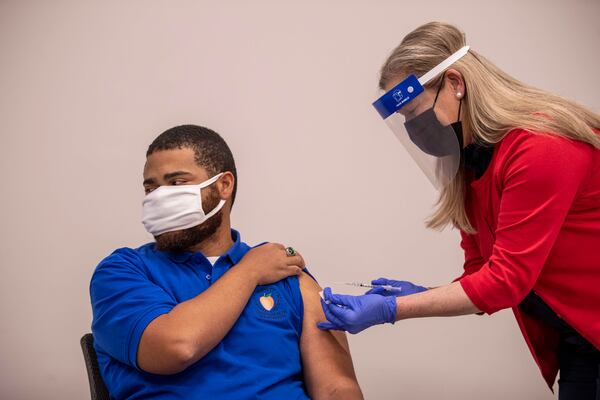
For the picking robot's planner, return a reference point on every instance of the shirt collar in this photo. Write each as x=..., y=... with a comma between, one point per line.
x=235, y=252
x=238, y=249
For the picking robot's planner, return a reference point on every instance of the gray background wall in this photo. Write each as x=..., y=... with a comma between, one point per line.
x=85, y=86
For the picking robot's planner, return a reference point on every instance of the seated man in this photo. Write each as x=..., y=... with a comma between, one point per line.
x=198, y=314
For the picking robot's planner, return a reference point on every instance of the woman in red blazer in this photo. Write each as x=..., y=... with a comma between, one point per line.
x=519, y=174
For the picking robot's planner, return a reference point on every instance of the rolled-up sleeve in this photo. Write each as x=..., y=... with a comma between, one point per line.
x=540, y=178
x=124, y=301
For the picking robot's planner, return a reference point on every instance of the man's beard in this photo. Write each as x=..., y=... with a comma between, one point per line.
x=186, y=238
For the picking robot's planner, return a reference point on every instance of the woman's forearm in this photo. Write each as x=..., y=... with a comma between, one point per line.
x=444, y=301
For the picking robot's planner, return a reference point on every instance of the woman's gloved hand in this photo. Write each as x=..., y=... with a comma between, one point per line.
x=404, y=288
x=356, y=313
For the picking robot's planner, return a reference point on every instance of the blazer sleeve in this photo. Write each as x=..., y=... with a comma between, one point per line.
x=473, y=259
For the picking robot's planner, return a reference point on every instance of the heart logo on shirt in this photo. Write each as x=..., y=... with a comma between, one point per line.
x=267, y=301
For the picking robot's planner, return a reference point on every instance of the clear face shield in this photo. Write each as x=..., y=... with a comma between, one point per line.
x=408, y=110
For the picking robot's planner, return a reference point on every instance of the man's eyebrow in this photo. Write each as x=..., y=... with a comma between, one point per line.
x=166, y=177
x=175, y=174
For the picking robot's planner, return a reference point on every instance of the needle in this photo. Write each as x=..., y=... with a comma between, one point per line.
x=368, y=285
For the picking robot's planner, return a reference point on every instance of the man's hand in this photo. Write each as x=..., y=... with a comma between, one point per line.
x=269, y=263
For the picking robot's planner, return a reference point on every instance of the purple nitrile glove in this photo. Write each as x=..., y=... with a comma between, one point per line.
x=404, y=288
x=356, y=313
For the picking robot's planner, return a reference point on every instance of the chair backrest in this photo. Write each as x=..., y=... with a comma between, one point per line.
x=98, y=389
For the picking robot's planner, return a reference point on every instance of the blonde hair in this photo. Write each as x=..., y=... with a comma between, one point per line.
x=494, y=104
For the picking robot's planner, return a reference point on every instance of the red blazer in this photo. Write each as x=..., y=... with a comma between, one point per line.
x=536, y=210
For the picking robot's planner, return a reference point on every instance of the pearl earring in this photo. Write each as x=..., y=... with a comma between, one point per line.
x=458, y=95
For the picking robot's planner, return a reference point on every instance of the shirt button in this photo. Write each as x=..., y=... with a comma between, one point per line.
x=208, y=277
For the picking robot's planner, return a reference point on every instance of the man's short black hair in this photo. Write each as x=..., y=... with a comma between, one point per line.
x=211, y=151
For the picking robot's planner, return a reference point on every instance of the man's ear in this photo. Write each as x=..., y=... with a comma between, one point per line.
x=454, y=80
x=225, y=185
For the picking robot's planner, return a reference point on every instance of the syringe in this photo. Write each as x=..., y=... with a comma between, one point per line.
x=368, y=285
x=364, y=285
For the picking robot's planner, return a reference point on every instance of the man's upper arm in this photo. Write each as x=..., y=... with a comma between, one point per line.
x=124, y=302
x=328, y=369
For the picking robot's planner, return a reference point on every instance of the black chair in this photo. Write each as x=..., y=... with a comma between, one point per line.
x=98, y=389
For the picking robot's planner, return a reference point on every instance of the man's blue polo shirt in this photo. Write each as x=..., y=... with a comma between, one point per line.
x=258, y=359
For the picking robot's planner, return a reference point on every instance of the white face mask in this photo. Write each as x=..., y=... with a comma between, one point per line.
x=172, y=208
